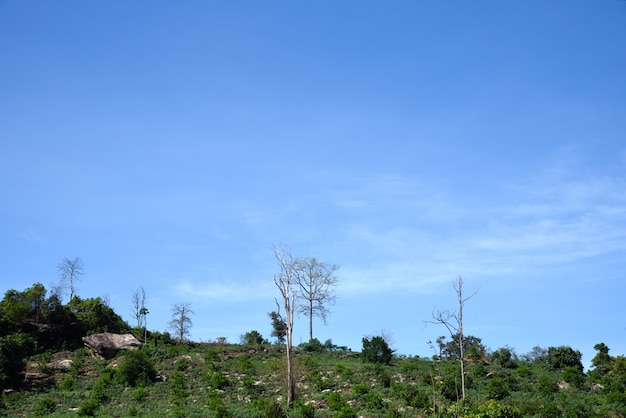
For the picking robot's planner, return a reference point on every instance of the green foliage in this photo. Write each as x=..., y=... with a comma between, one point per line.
x=68, y=383
x=472, y=348
x=178, y=388
x=504, y=357
x=305, y=410
x=374, y=401
x=497, y=389
x=408, y=387
x=602, y=362
x=14, y=350
x=88, y=408
x=136, y=369
x=253, y=337
x=44, y=407
x=313, y=346
x=218, y=381
x=561, y=357
x=336, y=401
x=274, y=410
x=95, y=316
x=279, y=326
x=547, y=384
x=574, y=377
x=376, y=350
x=494, y=409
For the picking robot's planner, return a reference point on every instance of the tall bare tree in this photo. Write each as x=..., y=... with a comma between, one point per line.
x=453, y=321
x=286, y=282
x=316, y=282
x=181, y=320
x=71, y=271
x=140, y=311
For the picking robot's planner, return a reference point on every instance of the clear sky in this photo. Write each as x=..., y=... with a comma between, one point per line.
x=171, y=144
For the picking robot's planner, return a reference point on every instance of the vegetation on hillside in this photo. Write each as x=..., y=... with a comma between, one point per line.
x=45, y=371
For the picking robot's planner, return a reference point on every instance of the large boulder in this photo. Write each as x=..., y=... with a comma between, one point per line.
x=108, y=344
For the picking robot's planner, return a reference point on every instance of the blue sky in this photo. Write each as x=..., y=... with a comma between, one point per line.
x=170, y=145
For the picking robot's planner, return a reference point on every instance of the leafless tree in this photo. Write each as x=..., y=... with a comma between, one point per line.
x=286, y=282
x=71, y=271
x=316, y=281
x=181, y=320
x=453, y=321
x=140, y=311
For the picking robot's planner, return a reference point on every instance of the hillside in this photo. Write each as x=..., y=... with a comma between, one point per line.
x=211, y=380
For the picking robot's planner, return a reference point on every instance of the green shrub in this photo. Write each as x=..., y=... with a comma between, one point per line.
x=374, y=401
x=497, y=389
x=136, y=369
x=68, y=383
x=574, y=377
x=181, y=364
x=274, y=410
x=178, y=389
x=376, y=350
x=547, y=384
x=218, y=381
x=216, y=404
x=44, y=407
x=88, y=408
x=313, y=346
x=360, y=389
x=139, y=394
x=336, y=401
x=305, y=410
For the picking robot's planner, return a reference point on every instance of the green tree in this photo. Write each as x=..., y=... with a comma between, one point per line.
x=252, y=338
x=95, y=316
x=279, y=326
x=602, y=362
x=561, y=357
x=14, y=350
x=376, y=350
x=136, y=369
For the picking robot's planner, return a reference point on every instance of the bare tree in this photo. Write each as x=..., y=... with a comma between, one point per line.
x=71, y=271
x=181, y=320
x=286, y=283
x=453, y=321
x=316, y=281
x=140, y=311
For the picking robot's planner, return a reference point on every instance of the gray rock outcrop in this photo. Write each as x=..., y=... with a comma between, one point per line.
x=107, y=344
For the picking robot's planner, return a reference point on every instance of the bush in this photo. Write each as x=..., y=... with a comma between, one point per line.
x=178, y=389
x=88, y=408
x=252, y=338
x=68, y=383
x=376, y=350
x=14, y=349
x=313, y=346
x=336, y=401
x=497, y=389
x=44, y=407
x=136, y=368
x=274, y=410
x=547, y=384
x=218, y=381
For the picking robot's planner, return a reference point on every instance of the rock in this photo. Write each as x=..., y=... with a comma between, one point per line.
x=107, y=344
